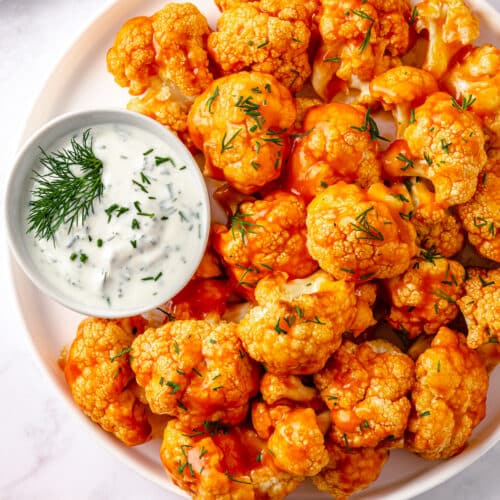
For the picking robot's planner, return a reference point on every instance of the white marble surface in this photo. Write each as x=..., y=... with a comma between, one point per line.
x=43, y=452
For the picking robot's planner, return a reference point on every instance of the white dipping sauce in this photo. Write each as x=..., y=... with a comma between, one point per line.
x=126, y=256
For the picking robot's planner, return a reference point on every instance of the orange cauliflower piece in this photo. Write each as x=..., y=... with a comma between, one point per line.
x=359, y=41
x=266, y=416
x=164, y=103
x=448, y=399
x=195, y=371
x=297, y=443
x=98, y=373
x=219, y=463
x=400, y=89
x=265, y=236
x=350, y=470
x=180, y=37
x=450, y=25
x=164, y=58
x=366, y=386
x=240, y=124
x=334, y=148
x=476, y=73
x=297, y=325
x=132, y=59
x=288, y=9
x=275, y=388
x=481, y=307
x=360, y=235
x=269, y=36
x=437, y=228
x=199, y=299
x=424, y=298
x=480, y=215
x=447, y=147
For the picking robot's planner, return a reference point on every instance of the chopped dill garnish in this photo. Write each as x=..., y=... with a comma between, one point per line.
x=467, y=102
x=368, y=231
x=227, y=145
x=370, y=126
x=242, y=226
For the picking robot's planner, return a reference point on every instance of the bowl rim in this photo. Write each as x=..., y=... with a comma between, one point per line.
x=20, y=169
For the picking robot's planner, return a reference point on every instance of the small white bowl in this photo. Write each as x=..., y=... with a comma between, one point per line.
x=18, y=194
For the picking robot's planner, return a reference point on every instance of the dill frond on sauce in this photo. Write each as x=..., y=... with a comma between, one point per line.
x=59, y=195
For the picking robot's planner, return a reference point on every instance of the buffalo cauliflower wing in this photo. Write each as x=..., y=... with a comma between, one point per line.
x=334, y=146
x=163, y=102
x=360, y=235
x=269, y=36
x=265, y=236
x=275, y=388
x=360, y=40
x=448, y=398
x=297, y=325
x=98, y=373
x=424, y=297
x=480, y=215
x=132, y=59
x=240, y=123
x=450, y=26
x=297, y=443
x=400, y=89
x=350, y=470
x=366, y=386
x=474, y=81
x=170, y=44
x=195, y=371
x=446, y=145
x=215, y=462
x=438, y=229
x=163, y=60
x=199, y=299
x=481, y=306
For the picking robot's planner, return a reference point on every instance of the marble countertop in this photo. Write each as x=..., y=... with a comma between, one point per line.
x=44, y=454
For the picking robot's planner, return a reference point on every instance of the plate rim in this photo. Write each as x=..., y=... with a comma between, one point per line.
x=435, y=476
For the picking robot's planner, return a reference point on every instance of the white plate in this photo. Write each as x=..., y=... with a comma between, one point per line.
x=80, y=81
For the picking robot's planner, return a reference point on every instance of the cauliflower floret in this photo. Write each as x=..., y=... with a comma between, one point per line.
x=475, y=77
x=164, y=103
x=288, y=9
x=335, y=147
x=481, y=306
x=365, y=386
x=98, y=373
x=270, y=37
x=303, y=105
x=437, y=228
x=289, y=387
x=297, y=325
x=450, y=25
x=359, y=41
x=400, y=89
x=448, y=399
x=446, y=145
x=297, y=443
x=180, y=37
x=360, y=235
x=424, y=298
x=481, y=215
x=225, y=464
x=240, y=124
x=265, y=236
x=200, y=298
x=163, y=57
x=490, y=355
x=266, y=416
x=132, y=59
x=350, y=470
x=195, y=371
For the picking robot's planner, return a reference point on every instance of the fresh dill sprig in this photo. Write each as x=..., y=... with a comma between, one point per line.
x=242, y=226
x=60, y=196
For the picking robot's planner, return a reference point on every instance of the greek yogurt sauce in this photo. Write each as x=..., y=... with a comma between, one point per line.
x=145, y=231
